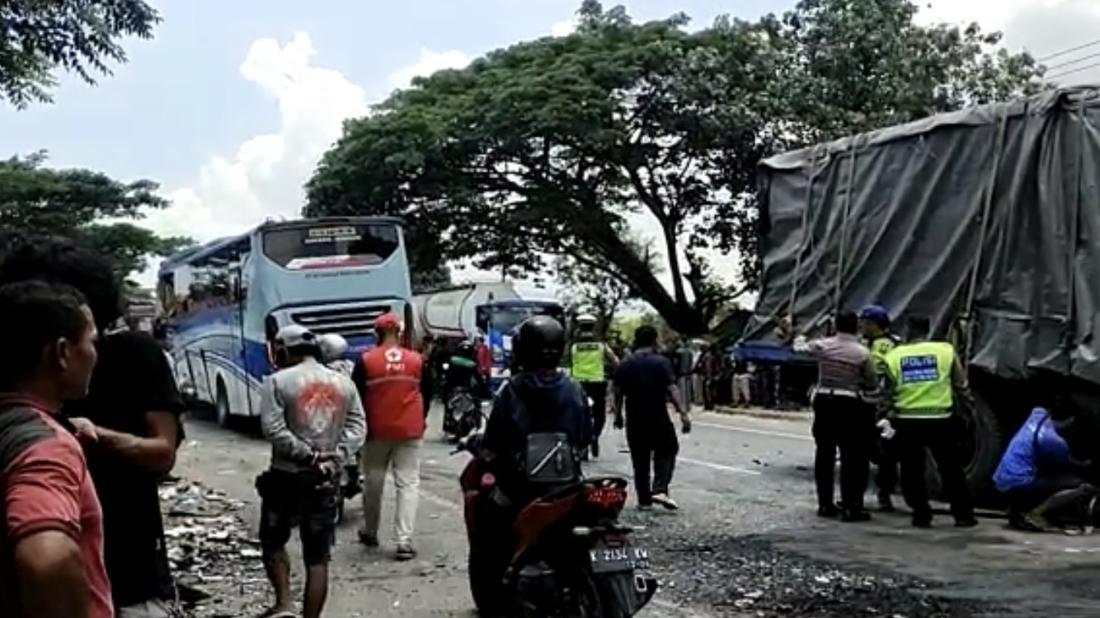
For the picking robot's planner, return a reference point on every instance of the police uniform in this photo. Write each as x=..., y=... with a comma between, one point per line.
x=923, y=380
x=590, y=367
x=590, y=361
x=843, y=419
x=886, y=479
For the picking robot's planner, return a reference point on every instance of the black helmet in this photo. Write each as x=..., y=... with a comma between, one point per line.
x=466, y=348
x=540, y=343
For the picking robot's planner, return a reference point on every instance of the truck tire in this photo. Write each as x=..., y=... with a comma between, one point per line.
x=981, y=445
x=987, y=437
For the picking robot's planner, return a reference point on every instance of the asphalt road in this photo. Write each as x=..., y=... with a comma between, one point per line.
x=745, y=543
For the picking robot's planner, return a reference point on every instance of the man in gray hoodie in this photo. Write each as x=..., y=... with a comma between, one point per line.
x=314, y=420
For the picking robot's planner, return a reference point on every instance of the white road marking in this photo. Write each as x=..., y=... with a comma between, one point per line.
x=762, y=432
x=714, y=466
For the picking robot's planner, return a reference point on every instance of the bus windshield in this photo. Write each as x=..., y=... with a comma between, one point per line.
x=331, y=246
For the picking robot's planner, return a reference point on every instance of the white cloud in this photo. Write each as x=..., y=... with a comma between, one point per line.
x=564, y=27
x=264, y=178
x=429, y=62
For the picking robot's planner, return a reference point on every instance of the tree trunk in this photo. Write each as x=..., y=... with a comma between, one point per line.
x=674, y=262
x=681, y=315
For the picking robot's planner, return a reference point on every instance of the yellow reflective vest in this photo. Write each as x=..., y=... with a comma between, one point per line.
x=920, y=374
x=588, y=361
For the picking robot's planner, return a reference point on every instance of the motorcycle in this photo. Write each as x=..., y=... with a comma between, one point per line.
x=463, y=414
x=569, y=556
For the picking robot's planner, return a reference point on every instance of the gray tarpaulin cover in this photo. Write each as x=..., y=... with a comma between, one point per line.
x=991, y=214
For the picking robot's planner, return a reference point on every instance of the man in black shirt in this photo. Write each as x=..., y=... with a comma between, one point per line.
x=129, y=424
x=645, y=383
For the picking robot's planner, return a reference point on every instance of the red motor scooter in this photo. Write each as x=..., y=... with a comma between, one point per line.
x=564, y=554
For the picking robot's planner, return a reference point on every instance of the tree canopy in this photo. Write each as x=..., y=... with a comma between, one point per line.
x=38, y=200
x=554, y=147
x=37, y=38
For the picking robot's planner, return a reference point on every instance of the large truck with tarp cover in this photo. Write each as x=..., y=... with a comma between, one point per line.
x=987, y=220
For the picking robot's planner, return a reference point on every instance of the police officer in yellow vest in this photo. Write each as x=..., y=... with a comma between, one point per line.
x=924, y=382
x=874, y=322
x=592, y=361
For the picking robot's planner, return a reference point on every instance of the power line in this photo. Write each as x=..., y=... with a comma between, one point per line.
x=1072, y=71
x=1069, y=51
x=1074, y=61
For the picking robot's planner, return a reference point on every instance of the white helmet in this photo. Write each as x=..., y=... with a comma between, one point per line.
x=294, y=336
x=333, y=347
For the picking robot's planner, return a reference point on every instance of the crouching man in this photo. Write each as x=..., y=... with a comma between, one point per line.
x=315, y=422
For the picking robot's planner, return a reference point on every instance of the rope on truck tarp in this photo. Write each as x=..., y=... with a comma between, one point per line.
x=839, y=284
x=804, y=240
x=1070, y=327
x=987, y=206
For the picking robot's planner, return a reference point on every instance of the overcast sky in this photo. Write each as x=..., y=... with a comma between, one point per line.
x=232, y=103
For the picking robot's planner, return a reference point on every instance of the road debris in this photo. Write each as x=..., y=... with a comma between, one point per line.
x=210, y=547
x=749, y=574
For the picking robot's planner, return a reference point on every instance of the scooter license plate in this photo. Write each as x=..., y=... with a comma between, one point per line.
x=619, y=559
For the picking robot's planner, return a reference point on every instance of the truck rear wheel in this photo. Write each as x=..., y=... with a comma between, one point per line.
x=981, y=445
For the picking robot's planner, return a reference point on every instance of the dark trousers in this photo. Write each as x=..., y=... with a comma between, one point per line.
x=597, y=392
x=426, y=395
x=710, y=393
x=654, y=446
x=886, y=478
x=844, y=424
x=916, y=438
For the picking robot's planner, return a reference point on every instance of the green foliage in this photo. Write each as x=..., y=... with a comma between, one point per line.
x=76, y=203
x=589, y=290
x=38, y=37
x=547, y=148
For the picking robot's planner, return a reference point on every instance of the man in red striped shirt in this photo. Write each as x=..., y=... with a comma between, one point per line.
x=388, y=377
x=51, y=552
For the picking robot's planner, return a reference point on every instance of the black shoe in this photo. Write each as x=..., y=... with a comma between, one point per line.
x=922, y=522
x=405, y=552
x=830, y=512
x=885, y=503
x=852, y=516
x=966, y=522
x=369, y=540
x=595, y=450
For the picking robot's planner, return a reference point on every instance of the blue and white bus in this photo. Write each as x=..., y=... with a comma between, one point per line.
x=225, y=300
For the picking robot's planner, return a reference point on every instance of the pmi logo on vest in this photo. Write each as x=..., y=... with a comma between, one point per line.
x=919, y=369
x=395, y=360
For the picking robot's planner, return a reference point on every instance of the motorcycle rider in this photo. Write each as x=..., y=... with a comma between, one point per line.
x=334, y=351
x=463, y=372
x=539, y=399
x=592, y=361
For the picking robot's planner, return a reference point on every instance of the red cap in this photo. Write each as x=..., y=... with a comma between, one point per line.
x=388, y=321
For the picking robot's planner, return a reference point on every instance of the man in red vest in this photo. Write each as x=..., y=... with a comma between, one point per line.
x=388, y=377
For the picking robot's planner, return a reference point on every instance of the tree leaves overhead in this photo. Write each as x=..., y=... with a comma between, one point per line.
x=39, y=36
x=551, y=146
x=39, y=200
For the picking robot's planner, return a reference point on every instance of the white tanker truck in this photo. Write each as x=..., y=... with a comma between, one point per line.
x=489, y=310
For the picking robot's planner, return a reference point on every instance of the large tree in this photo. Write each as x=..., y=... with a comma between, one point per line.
x=78, y=203
x=37, y=37
x=554, y=146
